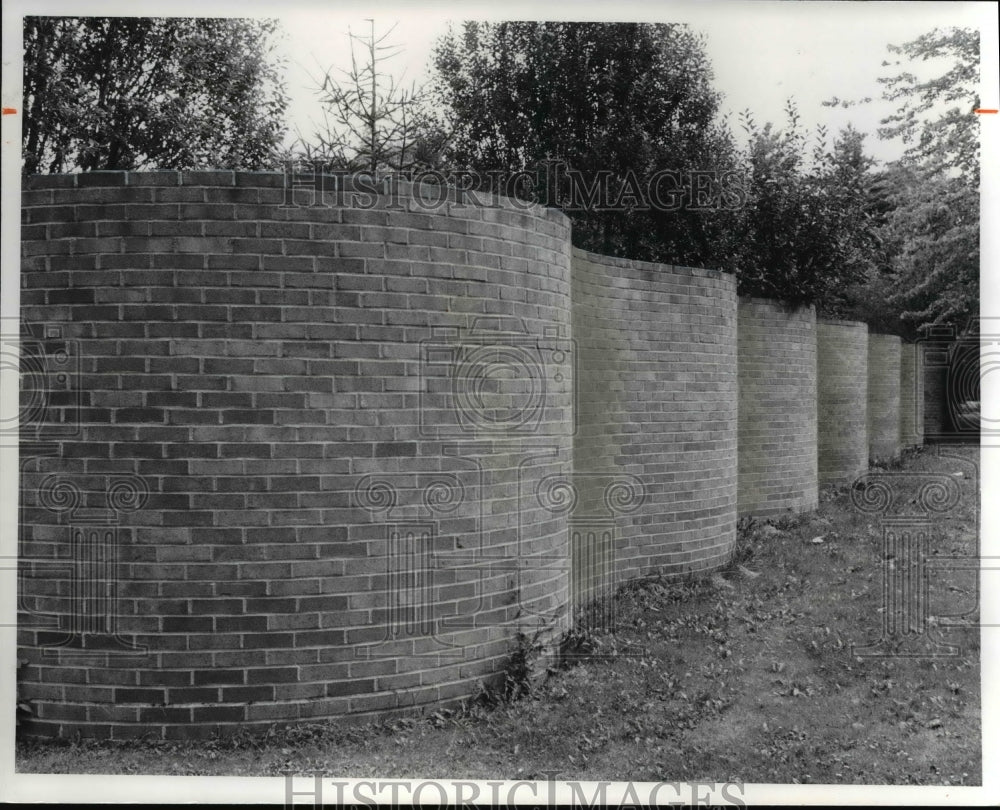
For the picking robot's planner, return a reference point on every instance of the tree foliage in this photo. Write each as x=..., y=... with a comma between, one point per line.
x=372, y=122
x=149, y=93
x=628, y=99
x=807, y=231
x=934, y=215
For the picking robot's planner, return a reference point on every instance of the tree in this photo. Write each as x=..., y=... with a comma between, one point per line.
x=627, y=99
x=806, y=232
x=934, y=219
x=149, y=93
x=372, y=123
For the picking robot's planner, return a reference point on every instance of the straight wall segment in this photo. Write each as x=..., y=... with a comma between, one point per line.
x=777, y=408
x=655, y=442
x=841, y=400
x=884, y=353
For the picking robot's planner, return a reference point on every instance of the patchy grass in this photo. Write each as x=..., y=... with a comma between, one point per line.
x=746, y=675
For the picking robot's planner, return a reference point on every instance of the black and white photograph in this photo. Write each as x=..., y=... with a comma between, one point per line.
x=487, y=405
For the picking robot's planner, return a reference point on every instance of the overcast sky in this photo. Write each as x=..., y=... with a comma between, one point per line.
x=762, y=52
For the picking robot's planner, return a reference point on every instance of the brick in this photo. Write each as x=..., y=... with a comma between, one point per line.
x=139, y=695
x=238, y=624
x=164, y=714
x=101, y=178
x=219, y=677
x=273, y=675
x=193, y=695
x=187, y=624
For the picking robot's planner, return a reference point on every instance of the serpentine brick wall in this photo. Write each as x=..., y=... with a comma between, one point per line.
x=290, y=455
x=911, y=391
x=311, y=514
x=777, y=408
x=842, y=400
x=655, y=443
x=883, y=396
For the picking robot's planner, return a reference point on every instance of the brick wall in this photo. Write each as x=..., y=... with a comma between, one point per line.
x=296, y=426
x=935, y=412
x=777, y=408
x=842, y=400
x=883, y=396
x=293, y=457
x=911, y=395
x=656, y=411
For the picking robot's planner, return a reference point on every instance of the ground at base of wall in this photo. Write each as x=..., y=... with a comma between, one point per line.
x=748, y=675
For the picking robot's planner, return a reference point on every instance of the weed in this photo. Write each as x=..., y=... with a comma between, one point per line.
x=522, y=674
x=743, y=549
x=22, y=706
x=788, y=522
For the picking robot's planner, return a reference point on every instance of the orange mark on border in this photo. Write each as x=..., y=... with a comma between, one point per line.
x=990, y=112
x=10, y=110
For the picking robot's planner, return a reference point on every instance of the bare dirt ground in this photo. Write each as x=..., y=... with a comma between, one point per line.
x=750, y=675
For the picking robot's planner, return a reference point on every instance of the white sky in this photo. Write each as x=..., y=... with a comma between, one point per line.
x=762, y=53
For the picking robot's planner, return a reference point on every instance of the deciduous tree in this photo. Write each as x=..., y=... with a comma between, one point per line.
x=149, y=93
x=626, y=99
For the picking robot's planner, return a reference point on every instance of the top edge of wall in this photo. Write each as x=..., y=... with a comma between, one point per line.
x=745, y=299
x=836, y=322
x=885, y=335
x=277, y=179
x=617, y=261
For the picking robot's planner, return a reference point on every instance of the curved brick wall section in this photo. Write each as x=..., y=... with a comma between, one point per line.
x=935, y=411
x=303, y=436
x=842, y=400
x=777, y=408
x=656, y=412
x=883, y=396
x=911, y=395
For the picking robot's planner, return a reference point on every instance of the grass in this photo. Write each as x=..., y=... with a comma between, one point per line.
x=745, y=675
